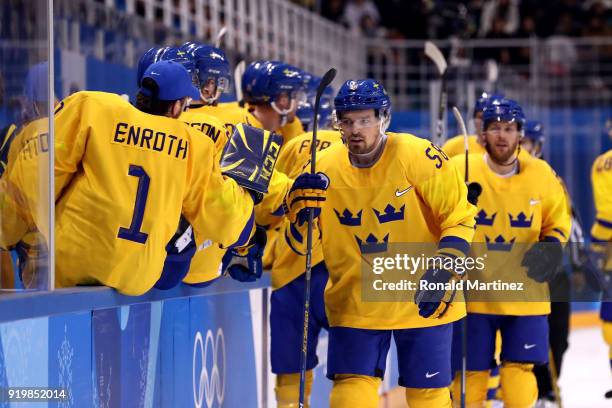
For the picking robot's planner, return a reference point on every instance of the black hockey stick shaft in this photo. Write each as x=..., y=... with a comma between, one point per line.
x=463, y=128
x=325, y=81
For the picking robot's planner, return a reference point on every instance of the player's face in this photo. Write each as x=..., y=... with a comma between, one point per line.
x=360, y=130
x=502, y=139
x=528, y=145
x=209, y=90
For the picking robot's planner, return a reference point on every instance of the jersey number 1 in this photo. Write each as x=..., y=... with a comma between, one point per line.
x=134, y=233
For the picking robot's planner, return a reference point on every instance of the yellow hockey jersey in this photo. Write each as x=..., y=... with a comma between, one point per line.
x=513, y=212
x=25, y=186
x=456, y=146
x=601, y=179
x=6, y=143
x=286, y=264
x=208, y=124
x=291, y=130
x=123, y=178
x=206, y=263
x=412, y=194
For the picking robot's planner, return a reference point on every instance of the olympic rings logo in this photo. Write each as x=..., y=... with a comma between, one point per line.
x=209, y=384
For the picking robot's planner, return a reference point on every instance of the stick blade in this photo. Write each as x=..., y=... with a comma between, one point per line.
x=433, y=53
x=492, y=71
x=220, y=36
x=238, y=72
x=326, y=80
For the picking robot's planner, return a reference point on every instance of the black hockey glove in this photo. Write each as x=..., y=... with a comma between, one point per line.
x=543, y=260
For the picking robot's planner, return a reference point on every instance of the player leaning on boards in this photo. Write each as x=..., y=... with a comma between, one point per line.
x=372, y=170
x=601, y=235
x=122, y=183
x=522, y=203
x=288, y=276
x=276, y=83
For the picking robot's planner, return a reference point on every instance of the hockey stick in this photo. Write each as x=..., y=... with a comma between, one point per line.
x=220, y=36
x=238, y=72
x=325, y=81
x=492, y=75
x=554, y=377
x=435, y=55
x=461, y=123
x=463, y=129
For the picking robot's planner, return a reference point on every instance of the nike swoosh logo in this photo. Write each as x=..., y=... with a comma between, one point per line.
x=533, y=202
x=399, y=193
x=427, y=375
x=529, y=346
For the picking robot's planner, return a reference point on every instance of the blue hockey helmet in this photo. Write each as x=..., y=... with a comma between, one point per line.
x=483, y=99
x=248, y=77
x=534, y=132
x=305, y=109
x=362, y=94
x=151, y=56
x=189, y=46
x=270, y=80
x=503, y=110
x=211, y=65
x=184, y=58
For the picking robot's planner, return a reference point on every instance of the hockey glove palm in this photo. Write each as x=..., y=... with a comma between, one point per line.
x=434, y=302
x=543, y=260
x=474, y=191
x=308, y=191
x=244, y=264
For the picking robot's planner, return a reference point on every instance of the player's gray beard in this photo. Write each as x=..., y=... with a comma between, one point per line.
x=372, y=156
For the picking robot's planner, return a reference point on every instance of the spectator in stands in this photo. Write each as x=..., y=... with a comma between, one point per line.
x=562, y=53
x=499, y=10
x=500, y=54
x=404, y=19
x=369, y=27
x=333, y=10
x=356, y=10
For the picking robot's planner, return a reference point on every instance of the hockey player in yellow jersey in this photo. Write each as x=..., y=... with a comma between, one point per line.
x=25, y=159
x=273, y=91
x=210, y=73
x=601, y=236
x=288, y=277
x=122, y=183
x=521, y=224
x=456, y=145
x=385, y=188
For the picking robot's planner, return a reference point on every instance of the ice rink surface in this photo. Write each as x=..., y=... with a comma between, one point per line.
x=586, y=371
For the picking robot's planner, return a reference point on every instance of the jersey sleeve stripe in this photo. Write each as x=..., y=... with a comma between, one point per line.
x=456, y=243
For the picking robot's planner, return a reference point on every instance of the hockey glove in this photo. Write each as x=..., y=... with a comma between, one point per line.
x=543, y=260
x=179, y=252
x=244, y=264
x=249, y=158
x=308, y=191
x=474, y=191
x=434, y=303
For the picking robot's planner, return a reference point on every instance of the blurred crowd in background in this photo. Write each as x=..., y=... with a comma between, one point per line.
x=421, y=19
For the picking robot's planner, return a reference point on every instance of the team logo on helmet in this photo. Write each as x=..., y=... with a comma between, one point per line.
x=352, y=85
x=289, y=73
x=214, y=55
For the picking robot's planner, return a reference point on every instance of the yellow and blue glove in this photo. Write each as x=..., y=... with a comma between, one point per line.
x=244, y=264
x=434, y=303
x=308, y=191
